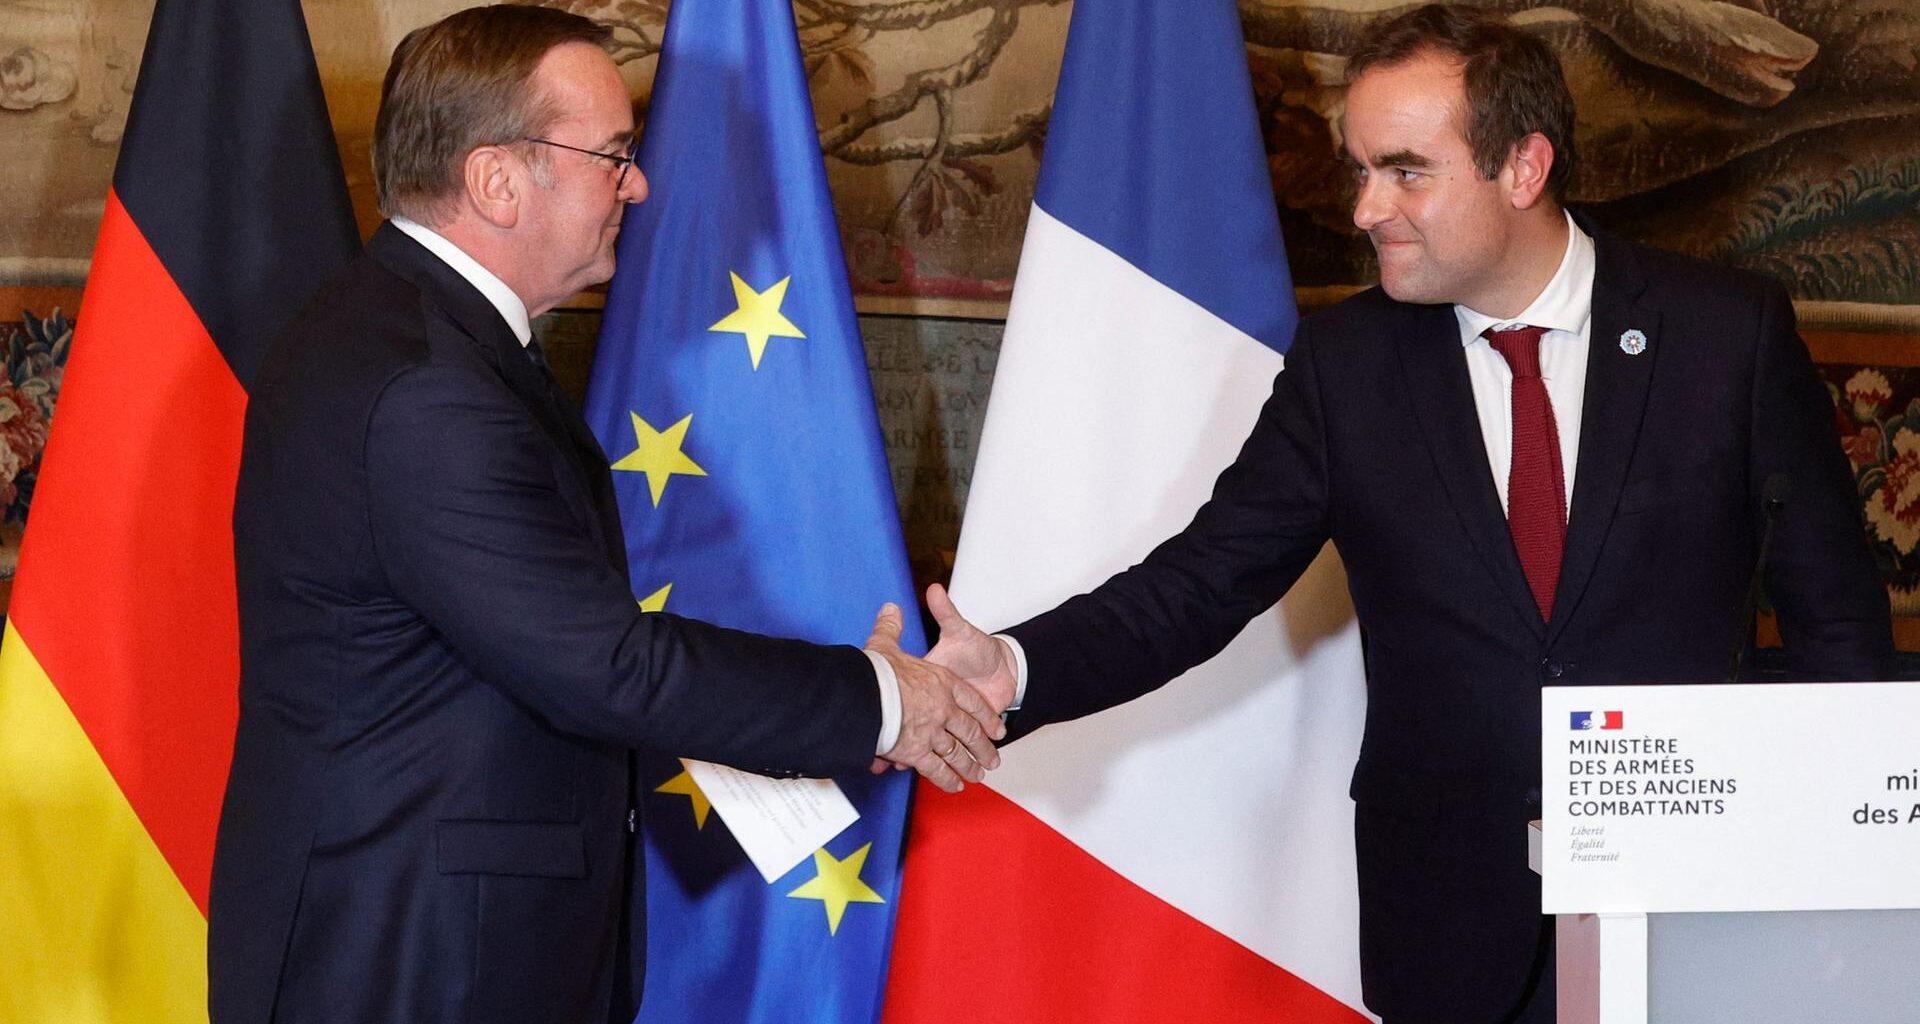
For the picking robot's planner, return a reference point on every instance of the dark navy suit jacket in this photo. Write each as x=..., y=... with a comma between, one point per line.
x=443, y=669
x=1371, y=440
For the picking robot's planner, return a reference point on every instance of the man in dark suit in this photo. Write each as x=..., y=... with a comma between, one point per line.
x=431, y=812
x=1545, y=456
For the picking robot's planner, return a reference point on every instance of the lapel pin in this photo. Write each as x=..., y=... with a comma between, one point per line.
x=1632, y=342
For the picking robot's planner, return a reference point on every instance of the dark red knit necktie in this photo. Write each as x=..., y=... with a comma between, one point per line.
x=1536, y=484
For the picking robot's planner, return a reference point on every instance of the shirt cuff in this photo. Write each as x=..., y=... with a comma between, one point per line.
x=1019, y=670
x=889, y=702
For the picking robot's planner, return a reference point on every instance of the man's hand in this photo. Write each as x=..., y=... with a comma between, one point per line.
x=981, y=659
x=946, y=729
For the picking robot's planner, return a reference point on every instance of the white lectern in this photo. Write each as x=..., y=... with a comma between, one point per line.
x=1744, y=854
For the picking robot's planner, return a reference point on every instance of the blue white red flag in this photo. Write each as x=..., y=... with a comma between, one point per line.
x=1187, y=856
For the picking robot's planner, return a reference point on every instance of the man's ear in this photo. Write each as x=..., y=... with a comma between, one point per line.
x=1527, y=169
x=494, y=180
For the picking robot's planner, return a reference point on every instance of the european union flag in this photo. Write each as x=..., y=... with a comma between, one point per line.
x=731, y=392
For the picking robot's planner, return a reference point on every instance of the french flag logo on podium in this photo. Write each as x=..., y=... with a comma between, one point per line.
x=1598, y=720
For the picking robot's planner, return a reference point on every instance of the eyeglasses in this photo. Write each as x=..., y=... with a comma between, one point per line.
x=623, y=159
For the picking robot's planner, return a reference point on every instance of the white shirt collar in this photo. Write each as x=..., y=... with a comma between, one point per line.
x=1565, y=304
x=512, y=310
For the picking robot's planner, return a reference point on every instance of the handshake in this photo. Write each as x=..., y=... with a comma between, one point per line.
x=951, y=700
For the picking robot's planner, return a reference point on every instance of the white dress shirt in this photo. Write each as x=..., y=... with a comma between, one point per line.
x=514, y=312
x=1565, y=308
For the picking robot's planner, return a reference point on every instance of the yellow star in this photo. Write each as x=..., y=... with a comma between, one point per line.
x=758, y=316
x=656, y=601
x=684, y=785
x=837, y=884
x=659, y=455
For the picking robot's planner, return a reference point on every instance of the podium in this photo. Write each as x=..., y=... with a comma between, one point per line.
x=1744, y=854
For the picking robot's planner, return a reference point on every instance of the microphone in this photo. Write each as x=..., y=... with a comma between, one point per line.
x=1774, y=493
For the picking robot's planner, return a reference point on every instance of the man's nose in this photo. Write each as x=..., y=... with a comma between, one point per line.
x=1370, y=208
x=634, y=188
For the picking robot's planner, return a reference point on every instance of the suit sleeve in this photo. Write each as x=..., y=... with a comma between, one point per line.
x=1265, y=522
x=1833, y=609
x=472, y=531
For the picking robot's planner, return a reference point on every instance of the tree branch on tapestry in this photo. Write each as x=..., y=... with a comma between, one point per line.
x=929, y=82
x=1029, y=129
x=1320, y=29
x=1743, y=54
x=912, y=14
x=630, y=44
x=635, y=23
x=834, y=38
x=926, y=189
x=946, y=177
x=843, y=37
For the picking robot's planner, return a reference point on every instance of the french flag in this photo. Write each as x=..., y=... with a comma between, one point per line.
x=1599, y=720
x=1187, y=856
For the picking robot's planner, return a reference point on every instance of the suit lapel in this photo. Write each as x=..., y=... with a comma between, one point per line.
x=592, y=460
x=1436, y=368
x=586, y=446
x=1616, y=399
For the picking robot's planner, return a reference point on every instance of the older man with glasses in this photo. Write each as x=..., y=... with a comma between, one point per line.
x=431, y=812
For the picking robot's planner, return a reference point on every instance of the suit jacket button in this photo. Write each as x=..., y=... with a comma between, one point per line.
x=1551, y=669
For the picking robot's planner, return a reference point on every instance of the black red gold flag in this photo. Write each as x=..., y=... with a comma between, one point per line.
x=120, y=666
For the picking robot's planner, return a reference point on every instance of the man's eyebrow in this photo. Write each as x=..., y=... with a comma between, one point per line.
x=1402, y=158
x=620, y=139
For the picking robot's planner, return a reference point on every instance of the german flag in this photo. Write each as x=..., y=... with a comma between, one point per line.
x=119, y=672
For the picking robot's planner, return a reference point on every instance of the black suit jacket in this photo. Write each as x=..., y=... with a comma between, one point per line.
x=1371, y=440
x=430, y=814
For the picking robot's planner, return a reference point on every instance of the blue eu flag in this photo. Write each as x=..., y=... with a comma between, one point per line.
x=730, y=390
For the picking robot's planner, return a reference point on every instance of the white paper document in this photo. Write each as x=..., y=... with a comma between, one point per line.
x=779, y=822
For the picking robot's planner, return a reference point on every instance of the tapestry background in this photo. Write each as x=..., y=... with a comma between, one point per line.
x=1777, y=135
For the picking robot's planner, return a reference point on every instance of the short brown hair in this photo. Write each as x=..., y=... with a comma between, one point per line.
x=1513, y=82
x=460, y=83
